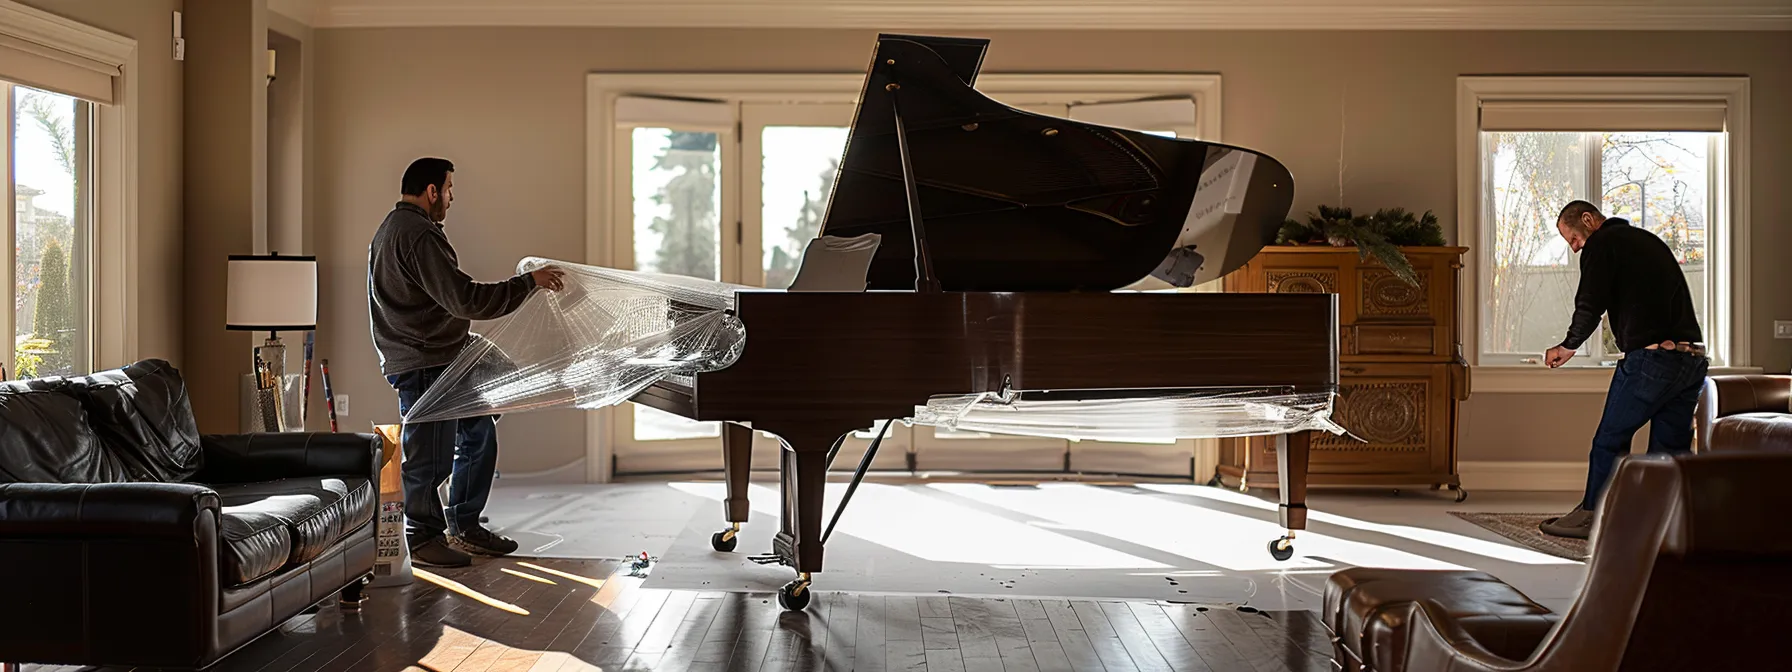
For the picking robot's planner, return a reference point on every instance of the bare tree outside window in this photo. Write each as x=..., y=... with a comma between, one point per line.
x=1657, y=180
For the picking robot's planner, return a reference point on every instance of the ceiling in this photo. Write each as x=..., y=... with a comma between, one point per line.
x=896, y=15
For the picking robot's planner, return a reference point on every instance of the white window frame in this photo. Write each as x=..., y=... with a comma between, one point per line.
x=114, y=247
x=1727, y=236
x=604, y=234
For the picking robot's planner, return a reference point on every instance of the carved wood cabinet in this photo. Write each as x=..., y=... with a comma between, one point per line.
x=1401, y=372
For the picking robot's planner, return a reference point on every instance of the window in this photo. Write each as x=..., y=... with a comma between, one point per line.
x=728, y=178
x=51, y=231
x=67, y=159
x=1659, y=152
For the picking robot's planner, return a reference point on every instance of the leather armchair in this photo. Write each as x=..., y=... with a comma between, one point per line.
x=127, y=538
x=1744, y=412
x=1688, y=572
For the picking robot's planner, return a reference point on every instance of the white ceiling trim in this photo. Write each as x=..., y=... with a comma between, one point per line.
x=303, y=11
x=1069, y=14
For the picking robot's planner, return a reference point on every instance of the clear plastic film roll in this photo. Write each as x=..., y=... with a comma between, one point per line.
x=1197, y=414
x=604, y=337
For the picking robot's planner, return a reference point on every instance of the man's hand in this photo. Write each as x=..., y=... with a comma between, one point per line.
x=550, y=277
x=1557, y=356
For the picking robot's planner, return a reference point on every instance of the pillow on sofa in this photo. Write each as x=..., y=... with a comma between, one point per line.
x=143, y=415
x=46, y=438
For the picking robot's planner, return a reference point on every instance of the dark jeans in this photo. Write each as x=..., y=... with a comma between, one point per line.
x=1657, y=387
x=464, y=451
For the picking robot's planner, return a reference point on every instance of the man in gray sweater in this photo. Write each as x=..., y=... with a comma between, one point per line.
x=421, y=306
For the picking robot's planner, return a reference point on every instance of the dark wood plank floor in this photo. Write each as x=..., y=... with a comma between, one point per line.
x=526, y=615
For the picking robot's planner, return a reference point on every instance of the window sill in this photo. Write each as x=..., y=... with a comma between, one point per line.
x=1568, y=380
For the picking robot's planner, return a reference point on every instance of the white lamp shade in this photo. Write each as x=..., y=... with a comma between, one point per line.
x=271, y=293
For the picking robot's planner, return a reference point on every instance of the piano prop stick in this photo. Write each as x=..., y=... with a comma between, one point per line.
x=924, y=278
x=992, y=241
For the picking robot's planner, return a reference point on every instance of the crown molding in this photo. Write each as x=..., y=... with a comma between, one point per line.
x=303, y=11
x=65, y=35
x=1067, y=14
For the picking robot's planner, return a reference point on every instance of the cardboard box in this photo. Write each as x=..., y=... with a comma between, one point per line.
x=392, y=559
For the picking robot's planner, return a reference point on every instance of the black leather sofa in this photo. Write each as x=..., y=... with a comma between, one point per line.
x=127, y=538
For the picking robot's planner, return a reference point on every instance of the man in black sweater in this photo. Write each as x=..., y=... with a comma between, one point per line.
x=421, y=306
x=1631, y=274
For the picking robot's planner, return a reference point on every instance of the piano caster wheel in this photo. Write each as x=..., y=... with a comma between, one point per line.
x=1461, y=494
x=725, y=540
x=1282, y=549
x=794, y=596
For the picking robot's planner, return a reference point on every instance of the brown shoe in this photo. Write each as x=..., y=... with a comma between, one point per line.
x=1578, y=524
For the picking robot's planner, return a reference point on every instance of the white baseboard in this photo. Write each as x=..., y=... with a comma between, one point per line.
x=1569, y=476
x=570, y=473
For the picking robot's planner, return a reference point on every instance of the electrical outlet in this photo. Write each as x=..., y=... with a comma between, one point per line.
x=342, y=405
x=1782, y=329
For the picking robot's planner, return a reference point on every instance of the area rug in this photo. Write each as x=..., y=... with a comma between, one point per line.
x=1522, y=528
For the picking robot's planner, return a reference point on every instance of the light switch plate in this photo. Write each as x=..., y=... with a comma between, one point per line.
x=342, y=405
x=1782, y=329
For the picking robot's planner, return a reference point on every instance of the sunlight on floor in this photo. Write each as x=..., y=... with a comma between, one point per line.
x=1061, y=525
x=1204, y=535
x=462, y=589
x=906, y=521
x=1449, y=540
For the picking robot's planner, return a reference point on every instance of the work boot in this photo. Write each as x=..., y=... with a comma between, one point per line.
x=436, y=553
x=477, y=539
x=1578, y=524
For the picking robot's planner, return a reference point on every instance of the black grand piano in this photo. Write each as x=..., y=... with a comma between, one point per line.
x=1004, y=234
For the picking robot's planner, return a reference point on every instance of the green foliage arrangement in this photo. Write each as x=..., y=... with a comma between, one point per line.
x=1381, y=234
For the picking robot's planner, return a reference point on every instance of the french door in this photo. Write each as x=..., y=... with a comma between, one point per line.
x=733, y=191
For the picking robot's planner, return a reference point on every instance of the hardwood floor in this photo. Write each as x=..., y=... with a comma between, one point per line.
x=517, y=614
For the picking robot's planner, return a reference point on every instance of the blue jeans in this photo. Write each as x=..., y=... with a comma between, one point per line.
x=1657, y=387
x=464, y=452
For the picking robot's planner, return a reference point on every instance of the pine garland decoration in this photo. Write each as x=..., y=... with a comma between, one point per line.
x=1381, y=234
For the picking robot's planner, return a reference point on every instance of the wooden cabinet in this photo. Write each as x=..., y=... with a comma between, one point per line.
x=1401, y=372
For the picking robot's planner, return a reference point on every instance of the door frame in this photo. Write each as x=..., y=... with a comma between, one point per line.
x=604, y=213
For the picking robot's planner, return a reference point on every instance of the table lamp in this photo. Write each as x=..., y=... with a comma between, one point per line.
x=271, y=293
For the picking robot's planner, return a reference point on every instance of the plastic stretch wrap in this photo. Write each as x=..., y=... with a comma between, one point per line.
x=605, y=336
x=1187, y=415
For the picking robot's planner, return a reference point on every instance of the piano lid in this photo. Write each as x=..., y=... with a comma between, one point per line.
x=1017, y=201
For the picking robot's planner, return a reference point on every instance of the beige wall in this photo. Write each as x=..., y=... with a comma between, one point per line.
x=507, y=105
x=159, y=159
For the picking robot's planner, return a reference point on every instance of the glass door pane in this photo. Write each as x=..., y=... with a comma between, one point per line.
x=51, y=234
x=674, y=168
x=798, y=147
x=677, y=227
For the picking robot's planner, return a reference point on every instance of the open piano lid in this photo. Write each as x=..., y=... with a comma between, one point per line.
x=1016, y=201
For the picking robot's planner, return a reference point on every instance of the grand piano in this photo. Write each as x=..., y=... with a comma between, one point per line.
x=1003, y=235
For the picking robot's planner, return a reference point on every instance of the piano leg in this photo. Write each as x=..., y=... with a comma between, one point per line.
x=737, y=465
x=804, y=479
x=1291, y=472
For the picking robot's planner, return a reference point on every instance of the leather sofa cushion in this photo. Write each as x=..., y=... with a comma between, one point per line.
x=1752, y=431
x=1361, y=607
x=256, y=544
x=47, y=439
x=143, y=415
x=315, y=512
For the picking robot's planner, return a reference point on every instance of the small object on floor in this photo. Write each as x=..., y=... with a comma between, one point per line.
x=639, y=564
x=1578, y=524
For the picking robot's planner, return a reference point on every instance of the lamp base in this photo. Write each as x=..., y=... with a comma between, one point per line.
x=270, y=374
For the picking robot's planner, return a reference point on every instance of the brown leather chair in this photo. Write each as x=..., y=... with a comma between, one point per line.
x=1744, y=412
x=1691, y=571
